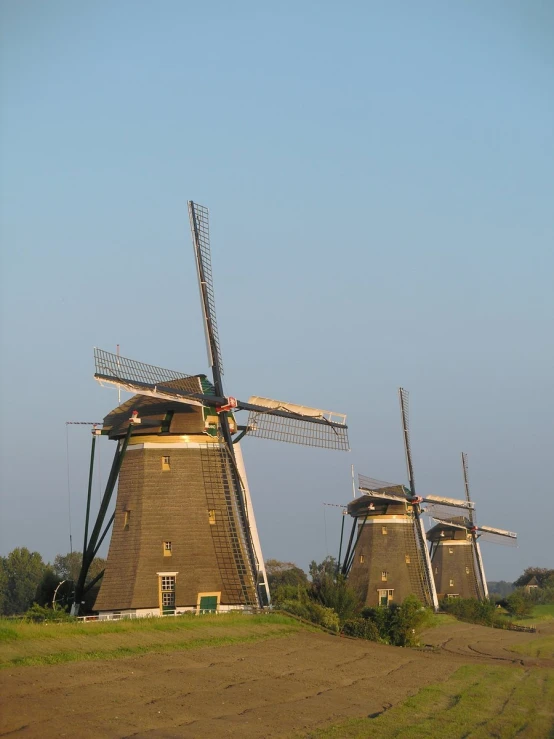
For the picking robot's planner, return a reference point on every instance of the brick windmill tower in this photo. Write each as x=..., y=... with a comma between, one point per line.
x=387, y=557
x=455, y=552
x=184, y=533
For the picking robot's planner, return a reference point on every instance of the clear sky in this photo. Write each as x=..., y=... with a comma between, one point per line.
x=380, y=178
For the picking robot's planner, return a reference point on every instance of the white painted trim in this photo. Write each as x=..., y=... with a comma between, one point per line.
x=432, y=585
x=454, y=542
x=481, y=568
x=251, y=517
x=174, y=445
x=386, y=519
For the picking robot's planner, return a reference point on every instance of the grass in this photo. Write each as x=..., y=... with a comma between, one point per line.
x=540, y=615
x=25, y=644
x=477, y=701
x=542, y=646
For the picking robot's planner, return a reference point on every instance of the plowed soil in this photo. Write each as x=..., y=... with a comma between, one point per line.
x=276, y=688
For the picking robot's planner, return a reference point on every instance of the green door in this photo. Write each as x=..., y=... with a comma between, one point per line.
x=208, y=604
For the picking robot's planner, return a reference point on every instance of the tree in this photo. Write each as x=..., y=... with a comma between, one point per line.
x=3, y=585
x=544, y=576
x=326, y=568
x=67, y=566
x=280, y=574
x=333, y=592
x=519, y=604
x=23, y=572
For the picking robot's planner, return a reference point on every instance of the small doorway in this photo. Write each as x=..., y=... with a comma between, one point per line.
x=208, y=602
x=385, y=597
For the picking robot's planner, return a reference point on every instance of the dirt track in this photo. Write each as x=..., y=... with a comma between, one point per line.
x=273, y=688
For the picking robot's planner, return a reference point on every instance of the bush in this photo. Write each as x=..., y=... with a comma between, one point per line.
x=313, y=612
x=396, y=625
x=333, y=592
x=519, y=604
x=39, y=614
x=474, y=611
x=285, y=593
x=362, y=628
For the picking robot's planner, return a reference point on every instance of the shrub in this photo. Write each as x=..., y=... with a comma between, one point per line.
x=313, y=612
x=519, y=604
x=362, y=628
x=475, y=611
x=333, y=592
x=40, y=614
x=285, y=593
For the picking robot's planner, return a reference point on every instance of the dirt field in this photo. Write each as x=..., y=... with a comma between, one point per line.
x=279, y=687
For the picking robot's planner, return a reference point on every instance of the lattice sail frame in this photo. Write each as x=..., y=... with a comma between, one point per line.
x=434, y=506
x=146, y=379
x=200, y=230
x=486, y=533
x=265, y=425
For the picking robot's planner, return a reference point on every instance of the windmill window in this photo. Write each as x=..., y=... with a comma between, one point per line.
x=408, y=560
x=126, y=517
x=168, y=583
x=436, y=570
x=211, y=517
x=167, y=549
x=450, y=550
x=361, y=558
x=467, y=570
x=384, y=530
x=384, y=576
x=451, y=583
x=166, y=466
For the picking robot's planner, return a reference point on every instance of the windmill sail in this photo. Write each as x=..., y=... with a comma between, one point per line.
x=437, y=506
x=146, y=379
x=498, y=536
x=200, y=230
x=297, y=424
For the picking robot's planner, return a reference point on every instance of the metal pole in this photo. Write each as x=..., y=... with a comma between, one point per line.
x=103, y=535
x=361, y=528
x=89, y=492
x=88, y=555
x=341, y=535
x=347, y=555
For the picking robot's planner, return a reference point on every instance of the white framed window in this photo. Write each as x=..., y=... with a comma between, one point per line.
x=451, y=583
x=167, y=549
x=385, y=596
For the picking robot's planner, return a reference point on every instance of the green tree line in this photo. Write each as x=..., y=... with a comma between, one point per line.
x=26, y=579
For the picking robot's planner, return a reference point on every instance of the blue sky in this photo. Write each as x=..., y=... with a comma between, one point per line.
x=380, y=181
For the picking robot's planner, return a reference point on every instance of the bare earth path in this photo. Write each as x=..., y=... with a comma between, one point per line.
x=273, y=688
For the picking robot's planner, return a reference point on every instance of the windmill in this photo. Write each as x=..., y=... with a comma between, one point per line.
x=184, y=532
x=455, y=552
x=387, y=557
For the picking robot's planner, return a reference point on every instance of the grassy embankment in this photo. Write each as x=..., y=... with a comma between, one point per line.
x=24, y=644
x=477, y=700
x=541, y=614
